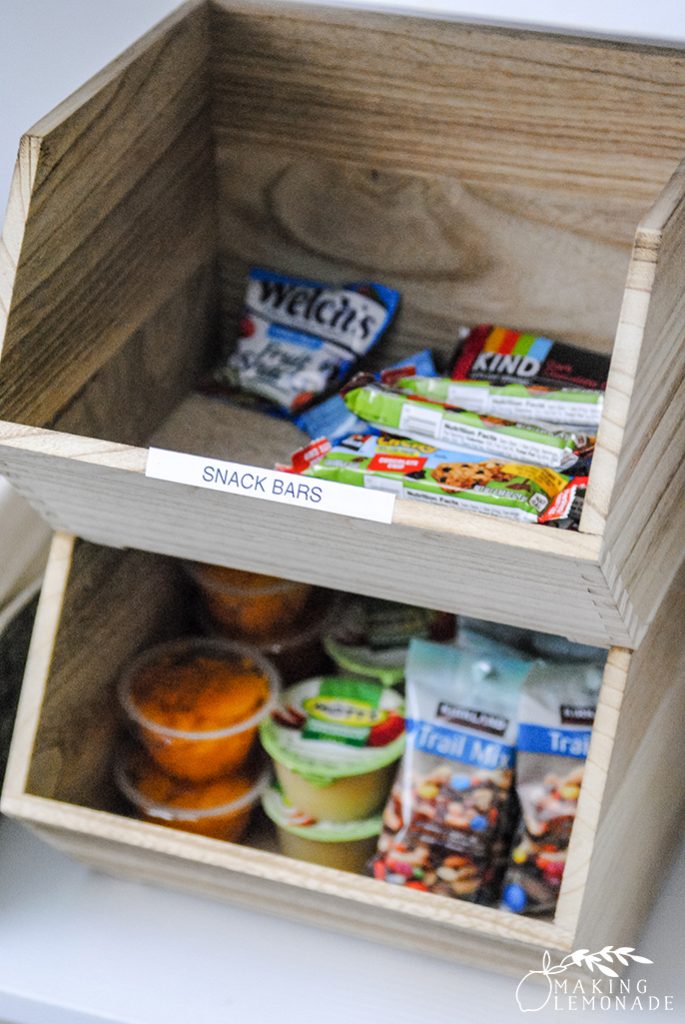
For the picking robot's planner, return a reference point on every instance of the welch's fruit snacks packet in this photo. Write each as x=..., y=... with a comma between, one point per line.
x=448, y=820
x=555, y=722
x=298, y=338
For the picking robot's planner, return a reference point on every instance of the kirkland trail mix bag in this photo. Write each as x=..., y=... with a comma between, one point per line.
x=556, y=715
x=299, y=338
x=448, y=819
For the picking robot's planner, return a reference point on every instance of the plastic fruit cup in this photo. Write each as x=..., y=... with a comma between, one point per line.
x=345, y=798
x=219, y=809
x=346, y=846
x=195, y=704
x=246, y=604
x=297, y=649
x=326, y=779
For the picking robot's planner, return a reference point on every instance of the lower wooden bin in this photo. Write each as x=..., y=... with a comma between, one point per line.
x=100, y=605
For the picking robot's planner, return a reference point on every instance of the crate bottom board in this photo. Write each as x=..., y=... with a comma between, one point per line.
x=450, y=930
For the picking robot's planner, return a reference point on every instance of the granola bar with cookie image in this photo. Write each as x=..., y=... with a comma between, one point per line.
x=425, y=472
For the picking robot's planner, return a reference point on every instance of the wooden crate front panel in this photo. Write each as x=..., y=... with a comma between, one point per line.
x=629, y=830
x=481, y=566
x=332, y=900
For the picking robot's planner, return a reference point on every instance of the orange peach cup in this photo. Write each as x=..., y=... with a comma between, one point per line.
x=219, y=809
x=195, y=704
x=247, y=604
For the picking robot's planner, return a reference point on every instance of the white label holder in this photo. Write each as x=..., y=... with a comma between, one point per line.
x=270, y=485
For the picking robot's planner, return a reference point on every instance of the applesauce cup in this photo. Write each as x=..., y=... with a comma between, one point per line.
x=328, y=769
x=195, y=704
x=347, y=846
x=247, y=604
x=219, y=809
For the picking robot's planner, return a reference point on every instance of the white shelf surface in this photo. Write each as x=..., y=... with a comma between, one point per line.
x=78, y=947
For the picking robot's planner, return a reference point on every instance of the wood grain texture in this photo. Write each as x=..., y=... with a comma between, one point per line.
x=481, y=104
x=629, y=813
x=640, y=483
x=124, y=602
x=457, y=252
x=454, y=561
x=640, y=813
x=487, y=173
x=120, y=216
x=62, y=754
x=144, y=382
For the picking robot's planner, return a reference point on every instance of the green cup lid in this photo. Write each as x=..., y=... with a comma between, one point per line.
x=298, y=824
x=332, y=727
x=386, y=666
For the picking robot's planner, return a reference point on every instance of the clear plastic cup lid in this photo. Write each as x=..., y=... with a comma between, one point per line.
x=172, y=812
x=227, y=650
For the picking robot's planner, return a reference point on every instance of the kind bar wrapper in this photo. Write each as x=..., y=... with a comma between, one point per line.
x=412, y=469
x=449, y=816
x=532, y=404
x=333, y=420
x=502, y=356
x=396, y=411
x=298, y=339
x=556, y=715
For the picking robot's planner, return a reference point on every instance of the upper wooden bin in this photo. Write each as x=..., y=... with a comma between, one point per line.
x=489, y=174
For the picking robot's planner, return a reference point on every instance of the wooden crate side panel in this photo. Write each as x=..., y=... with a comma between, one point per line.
x=458, y=252
x=460, y=562
x=644, y=484
x=146, y=379
x=276, y=884
x=115, y=603
x=583, y=836
x=641, y=813
x=46, y=625
x=120, y=216
x=482, y=104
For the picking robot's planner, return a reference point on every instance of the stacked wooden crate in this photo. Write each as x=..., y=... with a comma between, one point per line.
x=488, y=174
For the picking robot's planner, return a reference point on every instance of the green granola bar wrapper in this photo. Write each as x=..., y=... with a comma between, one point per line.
x=396, y=411
x=511, y=401
x=414, y=469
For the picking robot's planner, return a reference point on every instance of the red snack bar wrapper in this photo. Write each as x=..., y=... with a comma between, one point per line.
x=564, y=510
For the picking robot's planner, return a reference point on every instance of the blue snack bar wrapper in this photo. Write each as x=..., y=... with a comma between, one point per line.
x=333, y=420
x=299, y=338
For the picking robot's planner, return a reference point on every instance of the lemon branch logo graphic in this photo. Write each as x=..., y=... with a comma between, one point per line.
x=530, y=998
